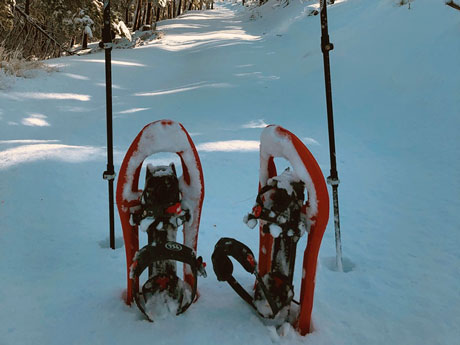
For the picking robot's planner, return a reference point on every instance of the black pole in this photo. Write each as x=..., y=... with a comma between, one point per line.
x=333, y=179
x=109, y=174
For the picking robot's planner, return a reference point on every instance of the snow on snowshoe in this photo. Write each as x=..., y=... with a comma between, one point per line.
x=284, y=216
x=165, y=204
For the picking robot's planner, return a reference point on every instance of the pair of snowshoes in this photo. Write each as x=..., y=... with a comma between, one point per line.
x=168, y=202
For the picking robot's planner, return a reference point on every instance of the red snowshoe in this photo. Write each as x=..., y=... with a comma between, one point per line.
x=166, y=203
x=284, y=216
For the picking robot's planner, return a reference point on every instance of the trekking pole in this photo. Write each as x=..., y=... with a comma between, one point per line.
x=333, y=179
x=109, y=174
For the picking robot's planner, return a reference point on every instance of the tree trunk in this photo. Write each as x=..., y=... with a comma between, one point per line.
x=149, y=14
x=127, y=5
x=179, y=6
x=84, y=45
x=158, y=14
x=137, y=15
x=143, y=16
x=27, y=7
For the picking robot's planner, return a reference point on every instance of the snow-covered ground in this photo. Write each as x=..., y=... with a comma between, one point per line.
x=224, y=74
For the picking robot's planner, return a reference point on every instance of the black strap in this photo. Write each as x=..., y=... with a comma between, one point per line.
x=142, y=213
x=223, y=268
x=262, y=191
x=241, y=291
x=166, y=251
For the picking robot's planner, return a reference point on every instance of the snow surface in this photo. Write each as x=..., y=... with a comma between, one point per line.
x=223, y=73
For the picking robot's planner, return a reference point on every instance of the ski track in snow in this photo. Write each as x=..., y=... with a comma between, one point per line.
x=224, y=74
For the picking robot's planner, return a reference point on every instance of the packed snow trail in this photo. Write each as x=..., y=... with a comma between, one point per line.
x=224, y=74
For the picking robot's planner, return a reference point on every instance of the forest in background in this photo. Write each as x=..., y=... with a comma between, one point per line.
x=41, y=29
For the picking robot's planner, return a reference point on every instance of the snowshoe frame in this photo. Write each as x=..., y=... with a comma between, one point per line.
x=279, y=142
x=153, y=138
x=291, y=148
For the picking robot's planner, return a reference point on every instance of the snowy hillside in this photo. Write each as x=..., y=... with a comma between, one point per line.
x=224, y=74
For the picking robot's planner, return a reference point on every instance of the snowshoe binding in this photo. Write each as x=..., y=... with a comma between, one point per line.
x=159, y=215
x=278, y=205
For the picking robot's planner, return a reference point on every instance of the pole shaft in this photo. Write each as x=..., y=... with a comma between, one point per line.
x=330, y=115
x=109, y=174
x=338, y=240
x=333, y=179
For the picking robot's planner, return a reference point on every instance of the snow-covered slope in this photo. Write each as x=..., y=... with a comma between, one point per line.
x=224, y=74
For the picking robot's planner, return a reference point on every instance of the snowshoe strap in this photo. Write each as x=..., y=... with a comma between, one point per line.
x=223, y=268
x=173, y=211
x=161, y=198
x=282, y=202
x=166, y=251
